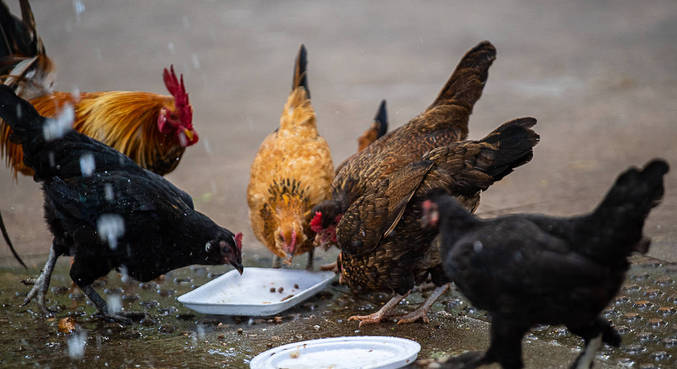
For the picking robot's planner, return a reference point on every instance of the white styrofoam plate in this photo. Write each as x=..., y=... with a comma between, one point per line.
x=250, y=293
x=372, y=352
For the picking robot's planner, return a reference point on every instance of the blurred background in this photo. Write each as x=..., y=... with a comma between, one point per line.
x=600, y=77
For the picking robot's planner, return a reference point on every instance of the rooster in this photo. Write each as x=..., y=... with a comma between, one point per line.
x=374, y=210
x=529, y=269
x=291, y=173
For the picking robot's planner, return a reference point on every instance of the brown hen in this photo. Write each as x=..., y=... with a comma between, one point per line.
x=374, y=212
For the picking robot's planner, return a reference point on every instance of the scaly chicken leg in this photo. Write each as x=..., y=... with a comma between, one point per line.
x=42, y=283
x=422, y=311
x=383, y=313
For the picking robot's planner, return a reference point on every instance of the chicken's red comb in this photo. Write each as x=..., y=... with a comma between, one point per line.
x=238, y=241
x=316, y=222
x=178, y=90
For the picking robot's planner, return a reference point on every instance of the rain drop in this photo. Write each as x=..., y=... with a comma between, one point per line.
x=55, y=128
x=108, y=192
x=114, y=304
x=79, y=8
x=76, y=345
x=171, y=48
x=87, y=164
x=110, y=228
x=196, y=61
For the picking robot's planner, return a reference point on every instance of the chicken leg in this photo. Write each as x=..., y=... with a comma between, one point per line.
x=102, y=306
x=422, y=311
x=42, y=283
x=383, y=313
x=311, y=255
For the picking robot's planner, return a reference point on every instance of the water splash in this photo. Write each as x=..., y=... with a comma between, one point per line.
x=76, y=345
x=57, y=127
x=87, y=164
x=110, y=228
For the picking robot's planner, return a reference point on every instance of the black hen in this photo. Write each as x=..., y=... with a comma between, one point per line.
x=106, y=211
x=533, y=269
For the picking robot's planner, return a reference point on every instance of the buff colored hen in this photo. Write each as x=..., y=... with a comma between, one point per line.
x=291, y=173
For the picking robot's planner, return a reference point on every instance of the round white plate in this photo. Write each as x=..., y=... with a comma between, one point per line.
x=364, y=352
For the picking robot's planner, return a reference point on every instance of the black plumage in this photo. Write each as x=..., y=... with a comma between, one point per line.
x=106, y=211
x=534, y=269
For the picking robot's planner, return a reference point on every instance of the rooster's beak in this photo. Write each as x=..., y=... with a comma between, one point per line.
x=189, y=134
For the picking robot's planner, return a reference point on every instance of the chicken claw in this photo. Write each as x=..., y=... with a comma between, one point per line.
x=422, y=311
x=384, y=312
x=42, y=283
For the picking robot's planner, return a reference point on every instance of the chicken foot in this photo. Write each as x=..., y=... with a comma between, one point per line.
x=42, y=283
x=383, y=313
x=102, y=306
x=422, y=311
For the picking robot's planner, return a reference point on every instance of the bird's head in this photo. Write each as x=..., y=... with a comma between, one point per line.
x=288, y=236
x=225, y=249
x=439, y=206
x=177, y=120
x=324, y=222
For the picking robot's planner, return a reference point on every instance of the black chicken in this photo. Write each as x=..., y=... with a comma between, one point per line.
x=533, y=269
x=106, y=211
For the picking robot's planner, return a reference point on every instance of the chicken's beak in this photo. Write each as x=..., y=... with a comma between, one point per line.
x=238, y=266
x=189, y=134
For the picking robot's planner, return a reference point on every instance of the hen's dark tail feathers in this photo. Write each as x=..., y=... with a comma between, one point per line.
x=300, y=79
x=5, y=235
x=512, y=145
x=381, y=120
x=634, y=194
x=466, y=83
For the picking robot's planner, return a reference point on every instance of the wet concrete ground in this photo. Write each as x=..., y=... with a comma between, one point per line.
x=599, y=77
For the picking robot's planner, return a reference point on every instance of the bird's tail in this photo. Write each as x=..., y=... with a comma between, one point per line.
x=475, y=165
x=626, y=206
x=5, y=235
x=298, y=110
x=300, y=65
x=378, y=129
x=466, y=83
x=24, y=64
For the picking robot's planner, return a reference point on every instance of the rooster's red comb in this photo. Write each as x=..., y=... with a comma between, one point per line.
x=316, y=222
x=177, y=88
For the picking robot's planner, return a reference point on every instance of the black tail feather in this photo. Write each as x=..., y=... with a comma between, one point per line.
x=515, y=141
x=381, y=119
x=9, y=242
x=300, y=79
